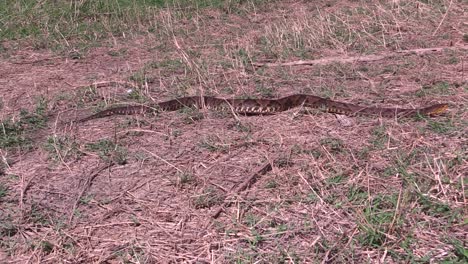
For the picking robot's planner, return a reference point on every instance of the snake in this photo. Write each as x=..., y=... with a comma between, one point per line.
x=269, y=107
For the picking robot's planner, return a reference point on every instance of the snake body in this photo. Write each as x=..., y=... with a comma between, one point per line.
x=269, y=106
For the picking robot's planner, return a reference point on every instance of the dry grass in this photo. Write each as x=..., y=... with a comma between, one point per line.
x=144, y=189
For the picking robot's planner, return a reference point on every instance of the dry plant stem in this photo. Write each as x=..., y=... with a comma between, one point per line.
x=264, y=168
x=57, y=151
x=125, y=132
x=37, y=248
x=443, y=18
x=86, y=186
x=367, y=58
x=4, y=159
x=24, y=188
x=106, y=84
x=165, y=161
x=310, y=187
x=325, y=258
x=463, y=190
x=131, y=223
x=396, y=214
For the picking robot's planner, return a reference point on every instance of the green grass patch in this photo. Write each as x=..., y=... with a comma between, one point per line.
x=83, y=96
x=183, y=179
x=191, y=115
x=62, y=148
x=357, y=195
x=336, y=179
x=15, y=134
x=86, y=199
x=379, y=137
x=441, y=126
x=378, y=215
x=208, y=198
x=61, y=24
x=7, y=228
x=55, y=22
x=213, y=144
x=182, y=72
x=461, y=252
x=271, y=184
x=432, y=207
x=439, y=88
x=334, y=145
x=108, y=150
x=12, y=135
x=3, y=191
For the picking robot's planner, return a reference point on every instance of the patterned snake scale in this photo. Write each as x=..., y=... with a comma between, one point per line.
x=269, y=106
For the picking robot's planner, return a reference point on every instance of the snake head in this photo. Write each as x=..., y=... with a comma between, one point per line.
x=435, y=110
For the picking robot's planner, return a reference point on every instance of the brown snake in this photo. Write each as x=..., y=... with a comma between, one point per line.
x=269, y=106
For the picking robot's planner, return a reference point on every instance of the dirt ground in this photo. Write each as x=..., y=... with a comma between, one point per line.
x=144, y=189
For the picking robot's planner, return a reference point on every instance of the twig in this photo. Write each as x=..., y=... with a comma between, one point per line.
x=4, y=159
x=367, y=58
x=37, y=248
x=320, y=61
x=86, y=186
x=233, y=112
x=130, y=223
x=310, y=187
x=264, y=168
x=165, y=161
x=107, y=83
x=443, y=18
x=24, y=188
x=54, y=137
x=463, y=190
x=395, y=216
